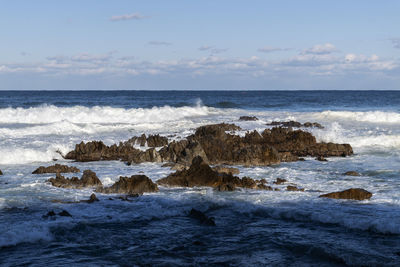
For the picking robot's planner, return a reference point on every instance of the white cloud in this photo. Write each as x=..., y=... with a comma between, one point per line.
x=321, y=49
x=134, y=16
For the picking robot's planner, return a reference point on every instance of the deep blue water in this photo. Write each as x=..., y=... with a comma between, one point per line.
x=264, y=100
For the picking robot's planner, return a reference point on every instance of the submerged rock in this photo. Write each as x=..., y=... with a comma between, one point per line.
x=201, y=217
x=352, y=173
x=65, y=213
x=136, y=184
x=352, y=193
x=294, y=188
x=88, y=179
x=248, y=118
x=58, y=168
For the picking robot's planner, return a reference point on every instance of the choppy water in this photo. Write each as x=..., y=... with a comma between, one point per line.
x=253, y=227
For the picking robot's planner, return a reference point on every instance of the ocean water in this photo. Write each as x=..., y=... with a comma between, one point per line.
x=253, y=227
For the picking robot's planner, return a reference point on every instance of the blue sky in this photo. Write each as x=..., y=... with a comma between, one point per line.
x=99, y=44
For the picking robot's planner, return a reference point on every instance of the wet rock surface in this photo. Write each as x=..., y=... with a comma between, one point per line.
x=351, y=173
x=201, y=174
x=216, y=145
x=150, y=141
x=136, y=184
x=296, y=124
x=88, y=179
x=57, y=168
x=352, y=193
x=248, y=118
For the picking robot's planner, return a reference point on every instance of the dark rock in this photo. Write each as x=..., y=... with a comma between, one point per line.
x=1, y=173
x=201, y=217
x=226, y=187
x=296, y=124
x=50, y=214
x=321, y=158
x=352, y=173
x=201, y=174
x=136, y=184
x=227, y=170
x=88, y=179
x=248, y=118
x=151, y=141
x=92, y=198
x=352, y=193
x=280, y=181
x=55, y=169
x=65, y=213
x=264, y=187
x=294, y=188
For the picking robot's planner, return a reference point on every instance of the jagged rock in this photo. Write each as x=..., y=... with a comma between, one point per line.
x=92, y=198
x=352, y=173
x=65, y=213
x=201, y=174
x=227, y=170
x=201, y=217
x=294, y=188
x=248, y=118
x=301, y=144
x=296, y=124
x=151, y=141
x=88, y=179
x=136, y=184
x=352, y=193
x=58, y=168
x=226, y=187
x=280, y=181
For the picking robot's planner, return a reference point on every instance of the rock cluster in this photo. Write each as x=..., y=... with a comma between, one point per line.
x=296, y=124
x=352, y=193
x=216, y=145
x=88, y=179
x=150, y=141
x=201, y=174
x=136, y=184
x=58, y=168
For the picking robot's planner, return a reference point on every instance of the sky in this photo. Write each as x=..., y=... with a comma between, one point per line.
x=208, y=44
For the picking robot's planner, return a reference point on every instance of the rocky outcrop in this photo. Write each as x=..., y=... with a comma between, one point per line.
x=150, y=141
x=351, y=173
x=299, y=143
x=217, y=145
x=296, y=124
x=248, y=118
x=227, y=170
x=88, y=179
x=136, y=184
x=280, y=181
x=352, y=193
x=58, y=168
x=201, y=174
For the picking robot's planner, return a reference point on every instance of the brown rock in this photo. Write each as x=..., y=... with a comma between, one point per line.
x=352, y=193
x=248, y=118
x=321, y=158
x=227, y=170
x=352, y=173
x=280, y=181
x=151, y=141
x=294, y=188
x=88, y=179
x=136, y=184
x=58, y=168
x=226, y=187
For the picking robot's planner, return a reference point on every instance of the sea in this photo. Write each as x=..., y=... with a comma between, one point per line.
x=253, y=227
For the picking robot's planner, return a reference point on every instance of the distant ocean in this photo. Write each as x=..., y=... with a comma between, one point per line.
x=252, y=227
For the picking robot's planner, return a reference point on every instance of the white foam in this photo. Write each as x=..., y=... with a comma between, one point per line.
x=105, y=114
x=366, y=116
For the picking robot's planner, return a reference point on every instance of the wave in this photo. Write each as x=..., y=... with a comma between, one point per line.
x=366, y=116
x=101, y=114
